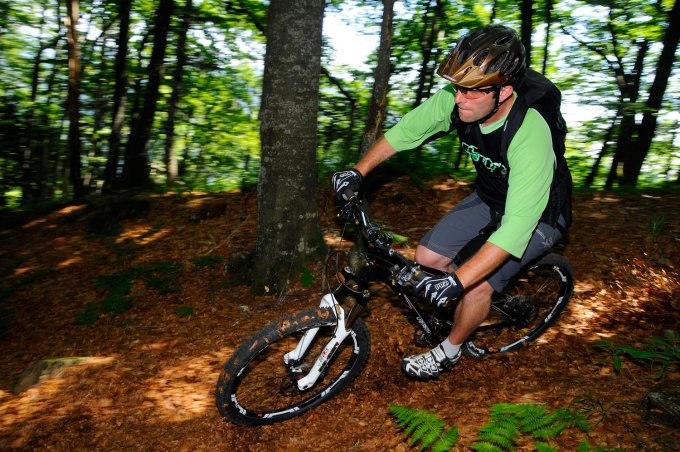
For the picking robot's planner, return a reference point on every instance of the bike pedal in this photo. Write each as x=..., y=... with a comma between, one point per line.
x=472, y=351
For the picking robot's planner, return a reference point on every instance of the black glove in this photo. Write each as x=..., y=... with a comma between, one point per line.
x=441, y=290
x=343, y=180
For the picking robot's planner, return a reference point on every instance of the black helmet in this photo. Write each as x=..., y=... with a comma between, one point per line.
x=491, y=55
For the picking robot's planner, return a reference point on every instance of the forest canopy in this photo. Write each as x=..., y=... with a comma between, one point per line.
x=99, y=95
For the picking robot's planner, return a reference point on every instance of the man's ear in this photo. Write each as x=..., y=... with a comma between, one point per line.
x=506, y=92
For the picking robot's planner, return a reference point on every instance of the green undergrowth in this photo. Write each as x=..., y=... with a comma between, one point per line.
x=662, y=353
x=161, y=277
x=508, y=425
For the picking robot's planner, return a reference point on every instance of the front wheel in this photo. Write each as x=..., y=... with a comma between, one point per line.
x=257, y=387
x=526, y=308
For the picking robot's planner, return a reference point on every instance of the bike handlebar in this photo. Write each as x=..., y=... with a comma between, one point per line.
x=376, y=237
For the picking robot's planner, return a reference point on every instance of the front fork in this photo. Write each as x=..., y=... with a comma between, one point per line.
x=341, y=332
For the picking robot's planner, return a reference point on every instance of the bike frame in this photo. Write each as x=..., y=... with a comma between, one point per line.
x=383, y=264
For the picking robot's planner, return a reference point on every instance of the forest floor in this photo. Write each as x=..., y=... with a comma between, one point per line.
x=145, y=377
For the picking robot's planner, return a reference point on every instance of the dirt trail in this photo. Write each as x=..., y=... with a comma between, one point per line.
x=149, y=376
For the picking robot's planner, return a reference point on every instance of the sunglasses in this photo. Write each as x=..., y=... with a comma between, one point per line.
x=475, y=93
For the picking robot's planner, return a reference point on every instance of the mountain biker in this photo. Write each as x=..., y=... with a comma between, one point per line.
x=515, y=211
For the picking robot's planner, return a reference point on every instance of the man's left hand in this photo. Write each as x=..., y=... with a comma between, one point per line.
x=440, y=291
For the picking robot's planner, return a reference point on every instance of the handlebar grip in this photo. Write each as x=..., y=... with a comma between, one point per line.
x=348, y=194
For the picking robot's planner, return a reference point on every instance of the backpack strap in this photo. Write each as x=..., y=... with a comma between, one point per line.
x=530, y=89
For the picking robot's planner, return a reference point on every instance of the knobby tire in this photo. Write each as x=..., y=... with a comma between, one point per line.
x=543, y=289
x=256, y=388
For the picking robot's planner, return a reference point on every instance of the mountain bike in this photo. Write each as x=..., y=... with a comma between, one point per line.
x=304, y=359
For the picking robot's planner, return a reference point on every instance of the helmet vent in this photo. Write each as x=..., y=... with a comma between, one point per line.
x=481, y=57
x=503, y=40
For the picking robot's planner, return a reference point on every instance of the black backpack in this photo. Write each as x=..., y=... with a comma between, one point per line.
x=536, y=91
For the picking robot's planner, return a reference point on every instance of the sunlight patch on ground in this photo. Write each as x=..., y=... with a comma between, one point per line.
x=450, y=184
x=331, y=239
x=65, y=211
x=22, y=270
x=68, y=262
x=154, y=346
x=185, y=391
x=143, y=235
x=34, y=223
x=43, y=399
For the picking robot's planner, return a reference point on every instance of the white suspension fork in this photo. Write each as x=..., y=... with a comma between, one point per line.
x=341, y=333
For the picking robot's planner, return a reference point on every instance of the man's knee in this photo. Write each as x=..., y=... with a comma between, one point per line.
x=480, y=293
x=429, y=258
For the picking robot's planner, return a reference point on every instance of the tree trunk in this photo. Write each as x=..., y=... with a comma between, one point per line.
x=527, y=17
x=605, y=147
x=378, y=106
x=136, y=169
x=548, y=26
x=73, y=102
x=431, y=26
x=119, y=94
x=352, y=104
x=170, y=154
x=629, y=89
x=638, y=152
x=288, y=231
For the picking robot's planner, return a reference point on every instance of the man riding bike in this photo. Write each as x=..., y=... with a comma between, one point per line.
x=522, y=201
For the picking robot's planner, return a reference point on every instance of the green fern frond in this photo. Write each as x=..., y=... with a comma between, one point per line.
x=427, y=432
x=486, y=447
x=573, y=419
x=447, y=441
x=507, y=429
x=584, y=446
x=424, y=427
x=543, y=447
x=402, y=415
x=535, y=423
x=499, y=440
x=549, y=432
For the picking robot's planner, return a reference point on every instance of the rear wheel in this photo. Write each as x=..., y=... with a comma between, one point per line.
x=256, y=387
x=526, y=308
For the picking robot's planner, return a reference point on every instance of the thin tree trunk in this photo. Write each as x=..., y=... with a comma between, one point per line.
x=527, y=17
x=431, y=29
x=548, y=27
x=119, y=94
x=170, y=154
x=352, y=102
x=605, y=147
x=136, y=169
x=629, y=88
x=377, y=108
x=73, y=102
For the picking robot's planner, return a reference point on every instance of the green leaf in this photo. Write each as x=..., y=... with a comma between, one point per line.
x=307, y=278
x=485, y=447
x=543, y=447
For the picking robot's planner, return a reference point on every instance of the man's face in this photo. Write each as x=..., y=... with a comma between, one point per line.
x=474, y=104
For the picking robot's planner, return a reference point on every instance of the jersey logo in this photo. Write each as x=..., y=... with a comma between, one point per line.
x=486, y=161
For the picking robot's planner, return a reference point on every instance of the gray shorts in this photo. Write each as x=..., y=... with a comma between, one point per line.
x=463, y=224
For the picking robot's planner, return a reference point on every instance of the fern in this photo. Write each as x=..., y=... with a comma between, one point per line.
x=543, y=447
x=508, y=422
x=425, y=428
x=657, y=351
x=447, y=441
x=497, y=439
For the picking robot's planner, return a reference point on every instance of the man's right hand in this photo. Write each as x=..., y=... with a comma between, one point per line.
x=342, y=180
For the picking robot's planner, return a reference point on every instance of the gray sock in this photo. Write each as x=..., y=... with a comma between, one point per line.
x=450, y=349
